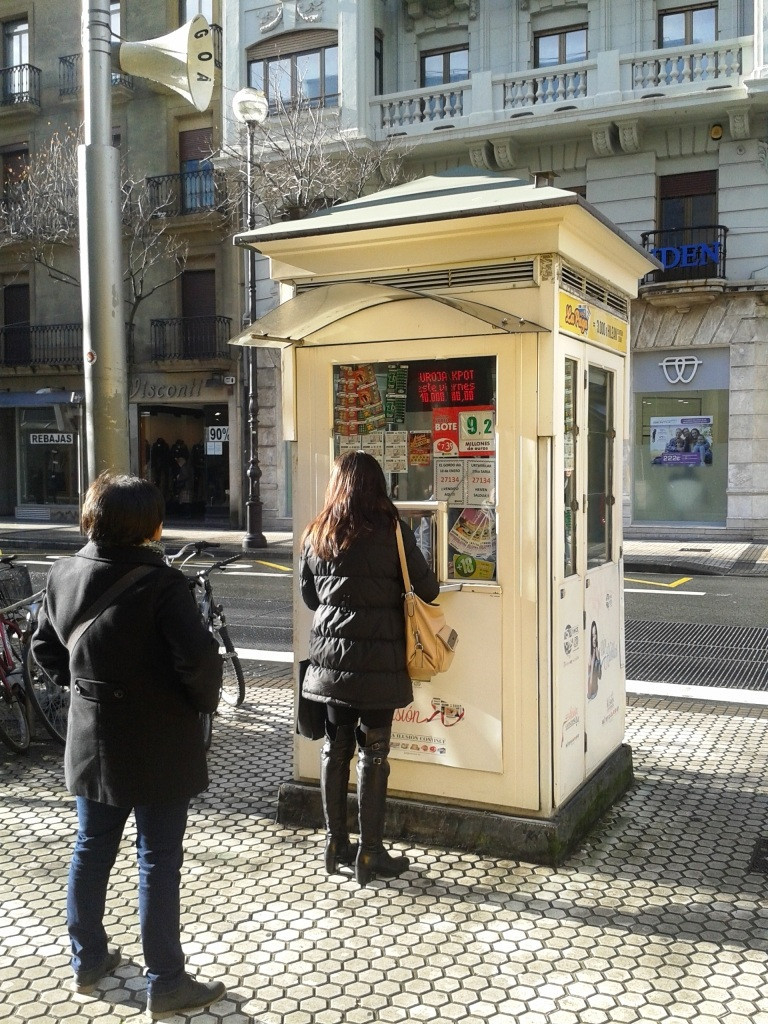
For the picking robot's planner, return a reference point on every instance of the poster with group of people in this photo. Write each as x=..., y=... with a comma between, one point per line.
x=681, y=440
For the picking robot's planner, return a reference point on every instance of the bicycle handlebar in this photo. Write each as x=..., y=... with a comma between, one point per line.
x=194, y=547
x=206, y=572
x=24, y=603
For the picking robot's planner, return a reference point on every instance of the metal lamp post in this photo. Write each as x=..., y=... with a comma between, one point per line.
x=250, y=107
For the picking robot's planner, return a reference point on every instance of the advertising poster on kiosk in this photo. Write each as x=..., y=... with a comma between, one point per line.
x=450, y=723
x=604, y=683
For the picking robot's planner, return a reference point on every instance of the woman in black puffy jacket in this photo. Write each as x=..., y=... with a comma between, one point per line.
x=351, y=579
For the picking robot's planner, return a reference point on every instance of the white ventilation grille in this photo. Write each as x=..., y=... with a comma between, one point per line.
x=589, y=288
x=519, y=272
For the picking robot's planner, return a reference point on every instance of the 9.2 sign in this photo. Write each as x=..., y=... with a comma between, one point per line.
x=477, y=431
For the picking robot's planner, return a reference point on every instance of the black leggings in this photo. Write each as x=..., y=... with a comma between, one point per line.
x=371, y=718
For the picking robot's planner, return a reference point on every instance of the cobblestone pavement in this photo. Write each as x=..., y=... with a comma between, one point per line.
x=660, y=916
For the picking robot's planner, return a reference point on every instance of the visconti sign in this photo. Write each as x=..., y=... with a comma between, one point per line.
x=592, y=323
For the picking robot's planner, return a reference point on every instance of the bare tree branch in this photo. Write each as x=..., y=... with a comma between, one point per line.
x=303, y=161
x=39, y=217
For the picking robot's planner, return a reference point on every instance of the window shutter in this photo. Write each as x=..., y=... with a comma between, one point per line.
x=293, y=42
x=196, y=144
x=697, y=183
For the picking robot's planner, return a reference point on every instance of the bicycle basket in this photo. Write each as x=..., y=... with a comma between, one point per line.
x=15, y=584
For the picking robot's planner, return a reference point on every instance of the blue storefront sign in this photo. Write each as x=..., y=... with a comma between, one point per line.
x=696, y=254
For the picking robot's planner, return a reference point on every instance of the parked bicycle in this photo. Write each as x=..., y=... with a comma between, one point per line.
x=212, y=612
x=15, y=586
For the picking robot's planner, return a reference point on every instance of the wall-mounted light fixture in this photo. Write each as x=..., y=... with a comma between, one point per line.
x=716, y=132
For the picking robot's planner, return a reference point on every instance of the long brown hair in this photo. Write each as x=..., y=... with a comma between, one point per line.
x=355, y=502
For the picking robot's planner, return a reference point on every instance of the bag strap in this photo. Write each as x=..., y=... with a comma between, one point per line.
x=106, y=599
x=403, y=563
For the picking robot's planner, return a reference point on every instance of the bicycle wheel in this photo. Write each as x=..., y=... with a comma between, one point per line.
x=233, y=680
x=51, y=702
x=14, y=726
x=206, y=721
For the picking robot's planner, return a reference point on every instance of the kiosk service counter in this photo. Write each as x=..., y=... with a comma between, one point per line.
x=495, y=407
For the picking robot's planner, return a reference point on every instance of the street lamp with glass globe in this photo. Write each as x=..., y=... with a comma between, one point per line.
x=251, y=108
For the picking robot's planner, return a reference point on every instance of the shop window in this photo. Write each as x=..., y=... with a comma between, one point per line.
x=690, y=26
x=680, y=457
x=48, y=449
x=185, y=453
x=566, y=46
x=600, y=458
x=570, y=453
x=431, y=424
x=440, y=67
x=292, y=73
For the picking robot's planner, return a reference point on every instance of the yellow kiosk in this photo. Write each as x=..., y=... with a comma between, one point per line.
x=471, y=331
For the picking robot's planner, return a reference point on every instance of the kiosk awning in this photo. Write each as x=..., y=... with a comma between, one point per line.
x=344, y=313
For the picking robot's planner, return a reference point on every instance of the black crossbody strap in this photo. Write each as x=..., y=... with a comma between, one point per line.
x=106, y=599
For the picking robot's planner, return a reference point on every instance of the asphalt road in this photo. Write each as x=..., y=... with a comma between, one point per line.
x=257, y=596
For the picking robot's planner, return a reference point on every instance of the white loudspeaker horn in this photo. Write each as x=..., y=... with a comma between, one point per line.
x=182, y=61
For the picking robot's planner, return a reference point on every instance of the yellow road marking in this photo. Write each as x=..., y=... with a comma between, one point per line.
x=653, y=583
x=273, y=565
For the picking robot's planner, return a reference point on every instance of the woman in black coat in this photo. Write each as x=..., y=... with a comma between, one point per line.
x=351, y=579
x=139, y=677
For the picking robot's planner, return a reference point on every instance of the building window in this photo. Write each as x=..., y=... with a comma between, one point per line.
x=378, y=64
x=114, y=19
x=692, y=26
x=438, y=67
x=567, y=46
x=687, y=201
x=189, y=8
x=14, y=170
x=306, y=76
x=15, y=43
x=197, y=178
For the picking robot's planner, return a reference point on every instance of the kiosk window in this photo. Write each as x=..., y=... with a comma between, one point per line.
x=570, y=501
x=431, y=424
x=600, y=455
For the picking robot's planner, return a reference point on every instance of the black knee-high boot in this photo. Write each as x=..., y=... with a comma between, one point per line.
x=372, y=774
x=335, y=758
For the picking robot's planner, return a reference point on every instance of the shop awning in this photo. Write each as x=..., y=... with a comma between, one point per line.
x=344, y=313
x=29, y=399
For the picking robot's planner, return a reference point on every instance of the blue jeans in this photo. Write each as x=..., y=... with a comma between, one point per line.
x=160, y=833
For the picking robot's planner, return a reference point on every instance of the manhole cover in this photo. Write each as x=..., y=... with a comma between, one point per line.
x=759, y=862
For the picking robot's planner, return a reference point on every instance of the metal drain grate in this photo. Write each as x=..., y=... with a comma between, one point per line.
x=697, y=654
x=759, y=862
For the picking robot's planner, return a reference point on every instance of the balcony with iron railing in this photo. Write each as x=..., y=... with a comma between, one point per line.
x=178, y=195
x=191, y=337
x=687, y=254
x=611, y=80
x=41, y=345
x=71, y=76
x=20, y=87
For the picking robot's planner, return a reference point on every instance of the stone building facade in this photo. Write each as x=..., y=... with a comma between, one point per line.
x=656, y=111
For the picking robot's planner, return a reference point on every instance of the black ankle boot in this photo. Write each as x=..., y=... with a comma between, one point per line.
x=371, y=864
x=372, y=774
x=339, y=850
x=335, y=758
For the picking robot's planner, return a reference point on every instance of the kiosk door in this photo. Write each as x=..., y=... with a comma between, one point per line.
x=588, y=677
